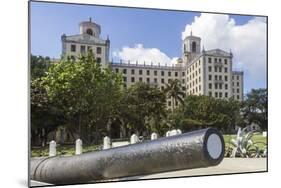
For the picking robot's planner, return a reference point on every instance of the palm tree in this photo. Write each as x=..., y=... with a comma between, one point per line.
x=173, y=89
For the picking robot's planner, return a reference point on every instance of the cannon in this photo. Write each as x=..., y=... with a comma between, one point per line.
x=197, y=149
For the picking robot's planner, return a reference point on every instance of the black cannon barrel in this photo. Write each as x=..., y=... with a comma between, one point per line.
x=195, y=149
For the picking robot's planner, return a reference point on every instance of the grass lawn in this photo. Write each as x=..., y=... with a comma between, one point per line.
x=61, y=150
x=257, y=138
x=70, y=149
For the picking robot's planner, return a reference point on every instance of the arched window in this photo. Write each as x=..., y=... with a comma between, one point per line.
x=193, y=46
x=89, y=31
x=184, y=47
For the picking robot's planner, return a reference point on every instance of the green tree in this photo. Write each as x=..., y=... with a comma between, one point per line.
x=174, y=90
x=255, y=107
x=45, y=116
x=39, y=66
x=86, y=93
x=204, y=111
x=146, y=106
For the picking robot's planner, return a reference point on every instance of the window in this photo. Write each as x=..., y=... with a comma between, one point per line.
x=176, y=74
x=140, y=79
x=220, y=86
x=225, y=78
x=155, y=73
x=210, y=86
x=219, y=60
x=199, y=87
x=98, y=50
x=225, y=86
x=219, y=69
x=183, y=73
x=116, y=70
x=183, y=81
x=216, y=60
x=220, y=77
x=216, y=77
x=147, y=72
x=162, y=73
x=155, y=80
x=73, y=47
x=210, y=60
x=195, y=73
x=216, y=69
x=237, y=77
x=238, y=90
x=237, y=84
x=98, y=60
x=169, y=103
x=162, y=80
x=82, y=49
x=125, y=79
x=169, y=73
x=216, y=86
x=124, y=71
x=133, y=79
x=225, y=69
x=225, y=95
x=210, y=77
x=220, y=94
x=147, y=80
x=199, y=79
x=193, y=47
x=199, y=70
x=89, y=48
x=89, y=31
x=238, y=97
x=133, y=71
x=216, y=94
x=225, y=61
x=140, y=72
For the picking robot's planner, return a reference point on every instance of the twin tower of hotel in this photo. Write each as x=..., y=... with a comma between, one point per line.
x=200, y=72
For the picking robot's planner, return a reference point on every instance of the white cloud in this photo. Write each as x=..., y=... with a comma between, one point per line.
x=247, y=42
x=141, y=54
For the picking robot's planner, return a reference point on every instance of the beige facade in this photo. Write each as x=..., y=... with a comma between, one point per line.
x=88, y=38
x=201, y=72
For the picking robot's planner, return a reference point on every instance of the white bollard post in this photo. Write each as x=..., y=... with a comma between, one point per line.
x=134, y=139
x=78, y=147
x=154, y=136
x=52, y=149
x=168, y=133
x=106, y=143
x=173, y=132
x=179, y=131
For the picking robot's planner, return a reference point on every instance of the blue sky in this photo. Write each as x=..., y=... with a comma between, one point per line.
x=125, y=27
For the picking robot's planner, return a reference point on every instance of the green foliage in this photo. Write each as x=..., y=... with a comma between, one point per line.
x=255, y=107
x=204, y=111
x=145, y=107
x=85, y=93
x=39, y=66
x=174, y=90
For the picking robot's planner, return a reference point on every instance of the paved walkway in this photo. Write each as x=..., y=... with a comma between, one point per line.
x=227, y=166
